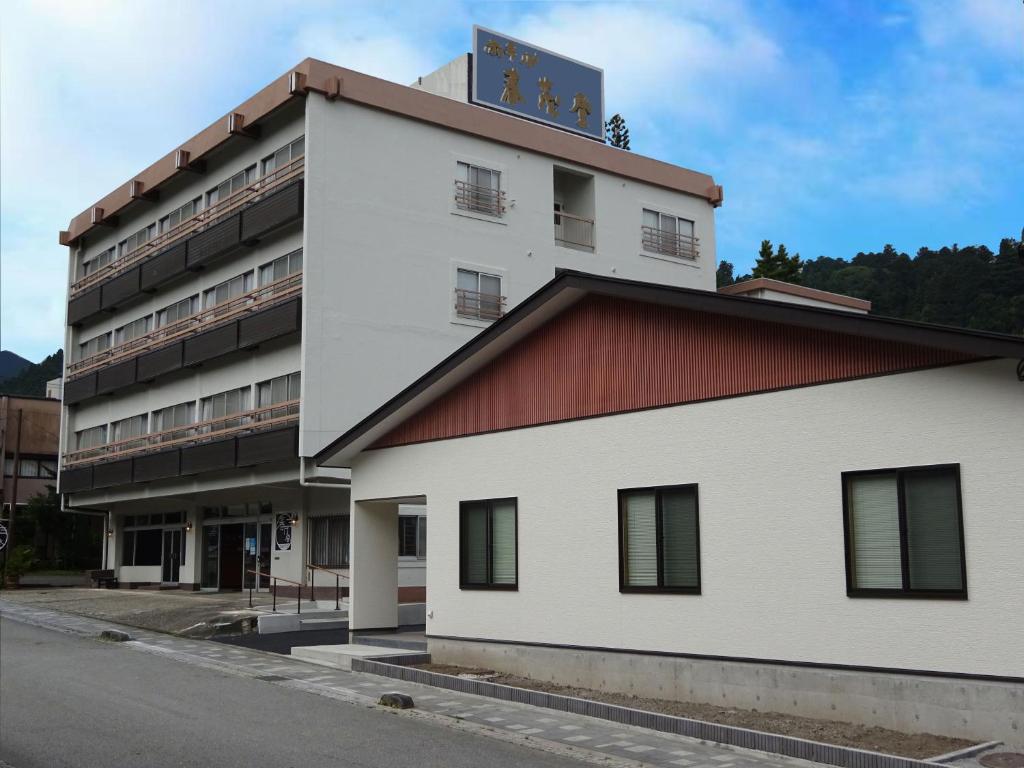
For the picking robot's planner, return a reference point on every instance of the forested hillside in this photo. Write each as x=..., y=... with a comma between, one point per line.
x=32, y=379
x=970, y=287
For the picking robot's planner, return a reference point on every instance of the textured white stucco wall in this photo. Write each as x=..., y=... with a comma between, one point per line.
x=771, y=523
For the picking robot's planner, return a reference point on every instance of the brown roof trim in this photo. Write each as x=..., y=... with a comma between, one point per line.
x=523, y=319
x=767, y=284
x=335, y=82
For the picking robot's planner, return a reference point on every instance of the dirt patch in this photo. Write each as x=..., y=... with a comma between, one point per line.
x=915, y=745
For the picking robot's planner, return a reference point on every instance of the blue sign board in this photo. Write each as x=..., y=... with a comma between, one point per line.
x=534, y=83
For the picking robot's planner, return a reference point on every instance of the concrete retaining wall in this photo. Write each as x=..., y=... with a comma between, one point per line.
x=968, y=708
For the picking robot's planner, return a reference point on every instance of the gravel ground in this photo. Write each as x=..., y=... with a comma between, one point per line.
x=915, y=745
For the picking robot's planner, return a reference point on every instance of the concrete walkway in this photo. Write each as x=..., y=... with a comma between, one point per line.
x=587, y=738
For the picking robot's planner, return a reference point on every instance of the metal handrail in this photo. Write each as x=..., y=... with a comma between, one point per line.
x=247, y=303
x=248, y=421
x=471, y=303
x=337, y=583
x=207, y=216
x=473, y=197
x=669, y=243
x=273, y=589
x=579, y=232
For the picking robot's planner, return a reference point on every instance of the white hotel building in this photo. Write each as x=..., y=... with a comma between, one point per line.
x=256, y=292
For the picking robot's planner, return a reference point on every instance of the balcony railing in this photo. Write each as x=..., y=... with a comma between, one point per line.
x=472, y=197
x=481, y=306
x=257, y=419
x=669, y=243
x=247, y=303
x=574, y=231
x=243, y=197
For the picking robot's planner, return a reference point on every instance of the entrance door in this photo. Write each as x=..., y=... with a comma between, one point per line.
x=231, y=541
x=173, y=554
x=265, y=533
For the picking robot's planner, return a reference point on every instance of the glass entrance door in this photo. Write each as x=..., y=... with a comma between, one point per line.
x=256, y=555
x=211, y=557
x=173, y=554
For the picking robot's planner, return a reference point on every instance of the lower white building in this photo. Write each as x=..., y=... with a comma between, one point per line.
x=679, y=494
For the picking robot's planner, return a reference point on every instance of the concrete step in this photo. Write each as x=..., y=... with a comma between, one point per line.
x=323, y=623
x=340, y=656
x=270, y=623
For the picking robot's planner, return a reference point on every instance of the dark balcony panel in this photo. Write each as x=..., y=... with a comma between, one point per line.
x=160, y=362
x=208, y=457
x=211, y=344
x=272, y=445
x=112, y=473
x=273, y=211
x=82, y=388
x=214, y=242
x=156, y=466
x=164, y=267
x=269, y=324
x=85, y=306
x=74, y=480
x=121, y=289
x=114, y=377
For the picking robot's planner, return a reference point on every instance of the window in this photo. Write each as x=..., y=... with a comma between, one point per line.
x=91, y=438
x=181, y=415
x=125, y=429
x=412, y=536
x=136, y=241
x=280, y=268
x=94, y=346
x=478, y=189
x=228, y=290
x=178, y=215
x=487, y=544
x=283, y=156
x=904, y=533
x=48, y=468
x=142, y=547
x=133, y=329
x=28, y=467
x=328, y=545
x=278, y=390
x=659, y=540
x=98, y=261
x=478, y=295
x=669, y=235
x=235, y=184
x=224, y=404
x=179, y=310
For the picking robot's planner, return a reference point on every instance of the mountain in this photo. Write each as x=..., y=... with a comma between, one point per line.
x=12, y=364
x=31, y=379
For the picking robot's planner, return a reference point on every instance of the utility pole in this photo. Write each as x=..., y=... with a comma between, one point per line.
x=14, y=487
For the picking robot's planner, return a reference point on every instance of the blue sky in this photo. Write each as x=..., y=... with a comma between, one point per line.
x=835, y=127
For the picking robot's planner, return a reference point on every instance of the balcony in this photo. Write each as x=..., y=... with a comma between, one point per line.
x=478, y=306
x=574, y=231
x=200, y=222
x=669, y=243
x=244, y=423
x=471, y=197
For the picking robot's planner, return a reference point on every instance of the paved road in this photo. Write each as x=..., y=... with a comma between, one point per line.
x=67, y=700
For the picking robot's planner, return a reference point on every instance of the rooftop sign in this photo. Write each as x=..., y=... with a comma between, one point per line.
x=531, y=82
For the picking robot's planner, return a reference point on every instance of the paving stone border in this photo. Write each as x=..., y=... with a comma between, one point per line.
x=791, y=746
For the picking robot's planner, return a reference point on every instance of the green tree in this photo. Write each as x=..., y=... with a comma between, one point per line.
x=724, y=274
x=616, y=133
x=777, y=265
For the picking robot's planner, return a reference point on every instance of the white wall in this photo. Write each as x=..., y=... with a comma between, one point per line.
x=383, y=241
x=771, y=522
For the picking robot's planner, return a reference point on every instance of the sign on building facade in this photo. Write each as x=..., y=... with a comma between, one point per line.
x=531, y=82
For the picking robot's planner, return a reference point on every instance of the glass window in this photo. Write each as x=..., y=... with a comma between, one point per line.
x=280, y=268
x=659, y=546
x=284, y=156
x=478, y=295
x=228, y=290
x=94, y=346
x=904, y=533
x=225, y=404
x=412, y=536
x=670, y=235
x=98, y=261
x=278, y=390
x=48, y=468
x=478, y=189
x=133, y=329
x=136, y=241
x=180, y=415
x=178, y=215
x=179, y=310
x=227, y=188
x=125, y=429
x=91, y=438
x=487, y=539
x=328, y=546
x=28, y=467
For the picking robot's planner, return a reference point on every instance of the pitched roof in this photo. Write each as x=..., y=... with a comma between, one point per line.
x=570, y=287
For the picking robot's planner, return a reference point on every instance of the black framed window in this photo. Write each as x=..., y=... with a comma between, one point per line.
x=328, y=545
x=488, y=548
x=412, y=536
x=904, y=533
x=659, y=540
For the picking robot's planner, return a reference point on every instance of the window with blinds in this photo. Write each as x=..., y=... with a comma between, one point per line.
x=659, y=540
x=328, y=541
x=904, y=533
x=487, y=544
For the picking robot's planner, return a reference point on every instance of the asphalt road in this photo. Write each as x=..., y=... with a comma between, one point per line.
x=73, y=701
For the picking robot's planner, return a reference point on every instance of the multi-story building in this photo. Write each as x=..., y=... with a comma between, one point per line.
x=29, y=430
x=257, y=291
